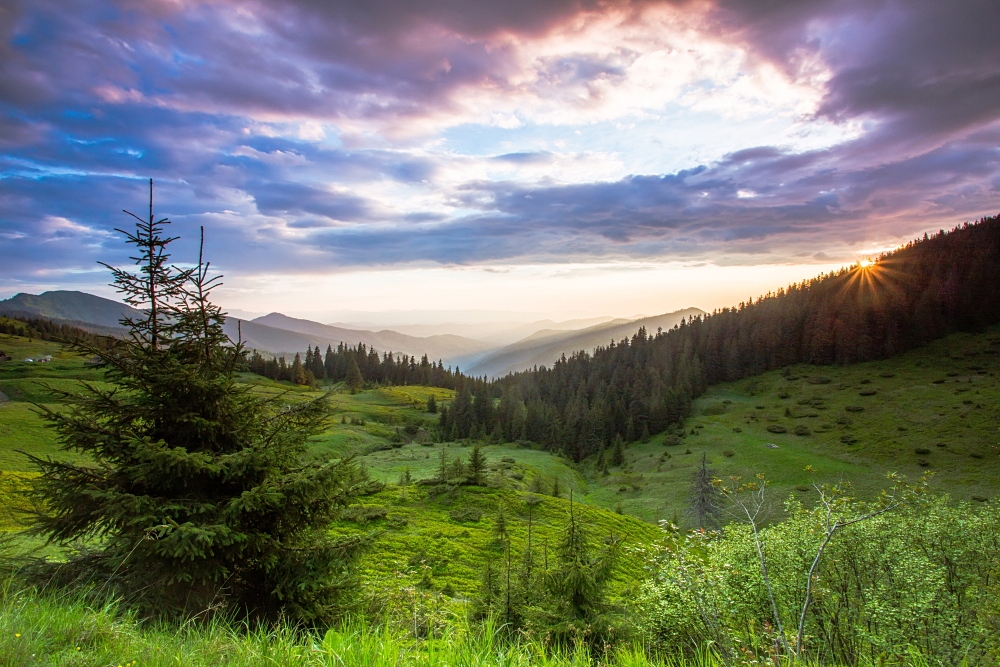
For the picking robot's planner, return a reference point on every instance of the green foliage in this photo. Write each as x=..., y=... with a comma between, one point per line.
x=477, y=467
x=618, y=452
x=921, y=577
x=354, y=378
x=564, y=601
x=194, y=493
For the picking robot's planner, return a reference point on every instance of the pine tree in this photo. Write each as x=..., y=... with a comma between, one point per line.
x=432, y=406
x=500, y=529
x=299, y=373
x=477, y=467
x=618, y=452
x=354, y=378
x=195, y=493
x=578, y=607
x=704, y=499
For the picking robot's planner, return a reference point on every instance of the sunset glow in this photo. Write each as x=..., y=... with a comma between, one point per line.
x=464, y=146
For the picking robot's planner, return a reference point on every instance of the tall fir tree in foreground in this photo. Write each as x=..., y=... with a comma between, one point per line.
x=194, y=491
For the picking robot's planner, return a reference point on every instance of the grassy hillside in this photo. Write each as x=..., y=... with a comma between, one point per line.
x=448, y=534
x=934, y=409
x=366, y=424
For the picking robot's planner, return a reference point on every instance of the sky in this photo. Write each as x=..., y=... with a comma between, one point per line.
x=567, y=158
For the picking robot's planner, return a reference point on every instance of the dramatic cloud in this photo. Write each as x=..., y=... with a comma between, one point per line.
x=314, y=137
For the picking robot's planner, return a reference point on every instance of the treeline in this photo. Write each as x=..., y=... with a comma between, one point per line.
x=357, y=366
x=931, y=287
x=33, y=327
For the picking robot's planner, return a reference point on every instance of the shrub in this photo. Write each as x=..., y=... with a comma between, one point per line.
x=919, y=579
x=466, y=515
x=364, y=513
x=777, y=428
x=801, y=430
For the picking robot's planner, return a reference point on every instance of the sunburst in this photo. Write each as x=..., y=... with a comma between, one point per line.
x=872, y=278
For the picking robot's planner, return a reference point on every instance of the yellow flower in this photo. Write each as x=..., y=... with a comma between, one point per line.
x=17, y=634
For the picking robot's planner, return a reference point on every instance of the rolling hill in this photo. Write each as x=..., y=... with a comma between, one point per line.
x=544, y=347
x=93, y=313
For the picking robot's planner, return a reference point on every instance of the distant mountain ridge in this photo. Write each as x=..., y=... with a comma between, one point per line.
x=495, y=333
x=100, y=315
x=544, y=348
x=447, y=347
x=69, y=307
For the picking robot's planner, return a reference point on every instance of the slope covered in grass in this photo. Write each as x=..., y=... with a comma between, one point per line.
x=450, y=533
x=936, y=408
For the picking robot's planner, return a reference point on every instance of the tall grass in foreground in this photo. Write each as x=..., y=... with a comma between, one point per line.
x=47, y=629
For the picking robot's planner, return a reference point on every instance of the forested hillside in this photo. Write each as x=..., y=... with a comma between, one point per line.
x=927, y=289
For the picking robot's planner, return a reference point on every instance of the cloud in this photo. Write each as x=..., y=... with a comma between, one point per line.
x=312, y=136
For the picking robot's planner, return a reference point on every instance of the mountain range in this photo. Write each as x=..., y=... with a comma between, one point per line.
x=545, y=347
x=502, y=348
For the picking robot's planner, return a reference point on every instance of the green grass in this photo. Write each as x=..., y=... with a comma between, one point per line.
x=39, y=630
x=942, y=399
x=419, y=531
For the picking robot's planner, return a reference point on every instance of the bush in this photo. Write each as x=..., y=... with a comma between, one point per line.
x=466, y=515
x=921, y=578
x=801, y=430
x=777, y=428
x=364, y=513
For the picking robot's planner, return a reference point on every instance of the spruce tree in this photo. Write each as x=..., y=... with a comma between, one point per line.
x=618, y=452
x=354, y=378
x=432, y=406
x=477, y=467
x=193, y=492
x=578, y=608
x=705, y=507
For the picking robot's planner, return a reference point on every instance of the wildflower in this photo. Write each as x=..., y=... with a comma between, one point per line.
x=17, y=634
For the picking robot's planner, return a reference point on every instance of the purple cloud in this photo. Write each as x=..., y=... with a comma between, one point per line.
x=218, y=102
